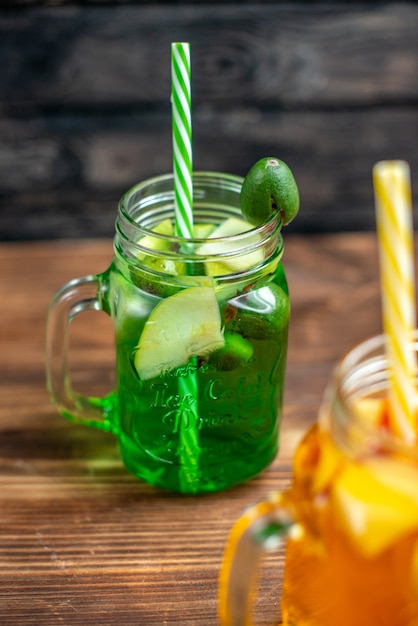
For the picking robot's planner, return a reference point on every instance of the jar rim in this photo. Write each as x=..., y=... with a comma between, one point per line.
x=272, y=222
x=216, y=198
x=363, y=371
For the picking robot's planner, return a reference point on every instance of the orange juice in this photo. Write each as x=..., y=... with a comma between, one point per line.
x=357, y=563
x=349, y=521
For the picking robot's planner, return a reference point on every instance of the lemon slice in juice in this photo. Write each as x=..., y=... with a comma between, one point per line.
x=181, y=326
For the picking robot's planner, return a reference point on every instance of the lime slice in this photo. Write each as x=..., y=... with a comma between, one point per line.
x=234, y=263
x=184, y=325
x=268, y=187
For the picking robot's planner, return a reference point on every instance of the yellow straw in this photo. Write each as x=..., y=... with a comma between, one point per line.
x=392, y=189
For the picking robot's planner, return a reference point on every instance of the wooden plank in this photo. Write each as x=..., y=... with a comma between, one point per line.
x=62, y=177
x=281, y=54
x=84, y=543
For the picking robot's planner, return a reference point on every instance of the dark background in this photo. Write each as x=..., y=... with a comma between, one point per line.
x=85, y=103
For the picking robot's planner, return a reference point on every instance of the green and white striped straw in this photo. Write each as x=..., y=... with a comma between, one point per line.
x=183, y=198
x=182, y=138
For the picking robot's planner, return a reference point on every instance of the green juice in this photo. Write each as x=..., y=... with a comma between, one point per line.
x=214, y=421
x=201, y=337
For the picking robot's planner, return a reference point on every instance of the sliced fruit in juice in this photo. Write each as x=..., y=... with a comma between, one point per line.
x=166, y=227
x=230, y=263
x=376, y=502
x=201, y=231
x=149, y=242
x=236, y=351
x=155, y=261
x=262, y=313
x=157, y=276
x=414, y=569
x=371, y=411
x=197, y=281
x=316, y=461
x=184, y=325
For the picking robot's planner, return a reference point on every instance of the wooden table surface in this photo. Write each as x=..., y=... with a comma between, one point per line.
x=81, y=540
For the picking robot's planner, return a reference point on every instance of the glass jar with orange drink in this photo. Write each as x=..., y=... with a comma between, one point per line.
x=349, y=520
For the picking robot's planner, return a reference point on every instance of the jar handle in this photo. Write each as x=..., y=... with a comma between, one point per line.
x=263, y=527
x=75, y=297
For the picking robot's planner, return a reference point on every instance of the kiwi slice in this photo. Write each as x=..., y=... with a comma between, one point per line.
x=268, y=187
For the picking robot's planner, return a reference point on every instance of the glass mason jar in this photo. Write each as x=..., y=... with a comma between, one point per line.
x=201, y=330
x=350, y=519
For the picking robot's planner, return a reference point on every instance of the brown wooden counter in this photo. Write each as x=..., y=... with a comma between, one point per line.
x=82, y=542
